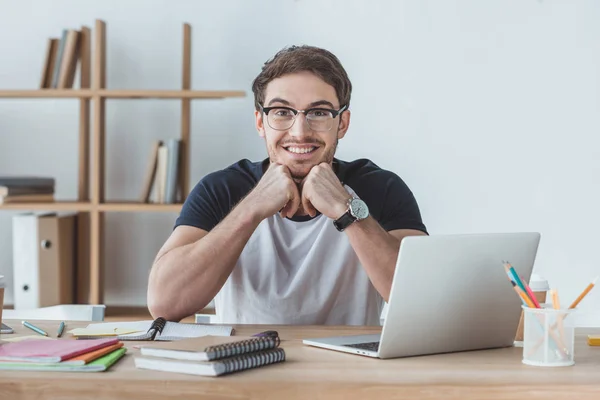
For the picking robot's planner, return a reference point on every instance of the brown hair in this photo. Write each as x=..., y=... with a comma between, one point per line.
x=293, y=59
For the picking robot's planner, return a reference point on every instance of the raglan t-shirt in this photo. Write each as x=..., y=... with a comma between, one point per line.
x=300, y=270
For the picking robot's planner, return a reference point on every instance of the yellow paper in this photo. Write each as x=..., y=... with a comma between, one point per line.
x=28, y=337
x=102, y=332
x=594, y=340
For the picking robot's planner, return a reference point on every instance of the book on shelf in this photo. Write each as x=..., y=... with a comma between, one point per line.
x=161, y=183
x=26, y=189
x=27, y=198
x=211, y=355
x=60, y=60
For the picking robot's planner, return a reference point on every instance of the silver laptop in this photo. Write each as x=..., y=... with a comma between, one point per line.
x=449, y=293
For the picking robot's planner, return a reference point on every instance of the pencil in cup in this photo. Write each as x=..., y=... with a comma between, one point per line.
x=520, y=287
x=557, y=342
x=575, y=303
x=556, y=306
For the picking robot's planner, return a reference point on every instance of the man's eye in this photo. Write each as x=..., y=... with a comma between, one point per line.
x=320, y=113
x=282, y=112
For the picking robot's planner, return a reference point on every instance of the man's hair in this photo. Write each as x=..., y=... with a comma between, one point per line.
x=289, y=60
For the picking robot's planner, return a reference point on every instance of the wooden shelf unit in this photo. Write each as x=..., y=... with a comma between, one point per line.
x=91, y=204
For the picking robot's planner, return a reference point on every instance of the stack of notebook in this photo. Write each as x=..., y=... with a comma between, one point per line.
x=61, y=355
x=211, y=355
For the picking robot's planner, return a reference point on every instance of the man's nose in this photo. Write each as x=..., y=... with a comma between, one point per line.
x=300, y=127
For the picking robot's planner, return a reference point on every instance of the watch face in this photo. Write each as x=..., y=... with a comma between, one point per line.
x=359, y=209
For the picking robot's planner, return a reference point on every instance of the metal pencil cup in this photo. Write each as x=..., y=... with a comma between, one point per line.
x=549, y=337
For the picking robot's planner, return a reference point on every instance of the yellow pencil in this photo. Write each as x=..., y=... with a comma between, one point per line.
x=524, y=297
x=583, y=294
x=554, y=296
x=556, y=306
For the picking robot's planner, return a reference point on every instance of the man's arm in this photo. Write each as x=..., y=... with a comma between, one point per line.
x=376, y=248
x=377, y=251
x=194, y=264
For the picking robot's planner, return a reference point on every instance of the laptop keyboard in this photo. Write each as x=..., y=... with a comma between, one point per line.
x=371, y=346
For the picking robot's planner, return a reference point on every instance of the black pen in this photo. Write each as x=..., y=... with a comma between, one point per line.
x=267, y=334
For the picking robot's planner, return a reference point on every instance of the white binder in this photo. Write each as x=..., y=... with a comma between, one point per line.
x=43, y=259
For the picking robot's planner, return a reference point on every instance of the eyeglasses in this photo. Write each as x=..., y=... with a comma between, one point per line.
x=283, y=118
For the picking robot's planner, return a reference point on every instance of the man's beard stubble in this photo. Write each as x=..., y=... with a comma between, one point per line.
x=327, y=158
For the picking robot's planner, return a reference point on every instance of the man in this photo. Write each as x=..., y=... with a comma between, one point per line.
x=301, y=237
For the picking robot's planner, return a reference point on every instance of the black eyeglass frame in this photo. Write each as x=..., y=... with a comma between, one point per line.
x=334, y=113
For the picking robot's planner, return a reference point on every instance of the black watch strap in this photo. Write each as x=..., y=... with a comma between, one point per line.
x=344, y=221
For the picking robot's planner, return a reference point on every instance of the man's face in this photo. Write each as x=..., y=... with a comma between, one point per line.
x=301, y=147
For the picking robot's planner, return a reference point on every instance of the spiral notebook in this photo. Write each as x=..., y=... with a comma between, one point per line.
x=159, y=329
x=210, y=348
x=213, y=368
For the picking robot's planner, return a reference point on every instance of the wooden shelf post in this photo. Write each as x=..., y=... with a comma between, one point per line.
x=96, y=293
x=83, y=185
x=186, y=84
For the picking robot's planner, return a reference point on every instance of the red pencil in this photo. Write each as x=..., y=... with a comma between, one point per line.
x=530, y=293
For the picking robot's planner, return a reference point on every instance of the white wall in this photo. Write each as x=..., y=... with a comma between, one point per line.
x=488, y=110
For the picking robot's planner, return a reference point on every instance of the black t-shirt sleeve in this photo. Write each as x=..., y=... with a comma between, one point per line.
x=400, y=208
x=390, y=200
x=211, y=200
x=200, y=209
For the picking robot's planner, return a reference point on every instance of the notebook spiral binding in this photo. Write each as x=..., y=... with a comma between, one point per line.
x=157, y=326
x=242, y=347
x=248, y=361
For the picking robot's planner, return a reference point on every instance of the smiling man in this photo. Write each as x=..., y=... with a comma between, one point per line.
x=300, y=237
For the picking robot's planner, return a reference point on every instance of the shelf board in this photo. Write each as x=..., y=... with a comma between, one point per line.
x=121, y=94
x=124, y=206
x=49, y=206
x=46, y=93
x=169, y=94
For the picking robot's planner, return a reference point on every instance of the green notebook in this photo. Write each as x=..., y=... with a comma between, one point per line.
x=101, y=364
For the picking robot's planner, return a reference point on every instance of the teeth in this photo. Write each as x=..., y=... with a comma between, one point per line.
x=300, y=150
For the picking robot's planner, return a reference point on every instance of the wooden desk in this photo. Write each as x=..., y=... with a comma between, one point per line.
x=312, y=373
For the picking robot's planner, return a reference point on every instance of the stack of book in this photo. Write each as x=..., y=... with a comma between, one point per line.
x=61, y=355
x=60, y=61
x=26, y=189
x=211, y=355
x=161, y=184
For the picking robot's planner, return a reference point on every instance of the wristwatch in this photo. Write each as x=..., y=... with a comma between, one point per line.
x=357, y=210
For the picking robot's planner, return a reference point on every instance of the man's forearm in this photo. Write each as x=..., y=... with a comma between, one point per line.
x=377, y=251
x=186, y=279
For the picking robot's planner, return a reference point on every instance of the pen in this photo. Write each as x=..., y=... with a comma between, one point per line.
x=34, y=328
x=61, y=328
x=267, y=334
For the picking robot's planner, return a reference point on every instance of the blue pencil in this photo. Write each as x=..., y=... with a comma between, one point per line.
x=61, y=328
x=34, y=328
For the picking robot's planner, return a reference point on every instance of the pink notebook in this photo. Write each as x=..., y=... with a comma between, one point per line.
x=50, y=351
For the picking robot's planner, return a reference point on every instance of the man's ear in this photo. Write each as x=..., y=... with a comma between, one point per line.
x=344, y=124
x=260, y=126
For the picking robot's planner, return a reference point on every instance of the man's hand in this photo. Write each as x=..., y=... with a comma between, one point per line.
x=276, y=191
x=323, y=191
